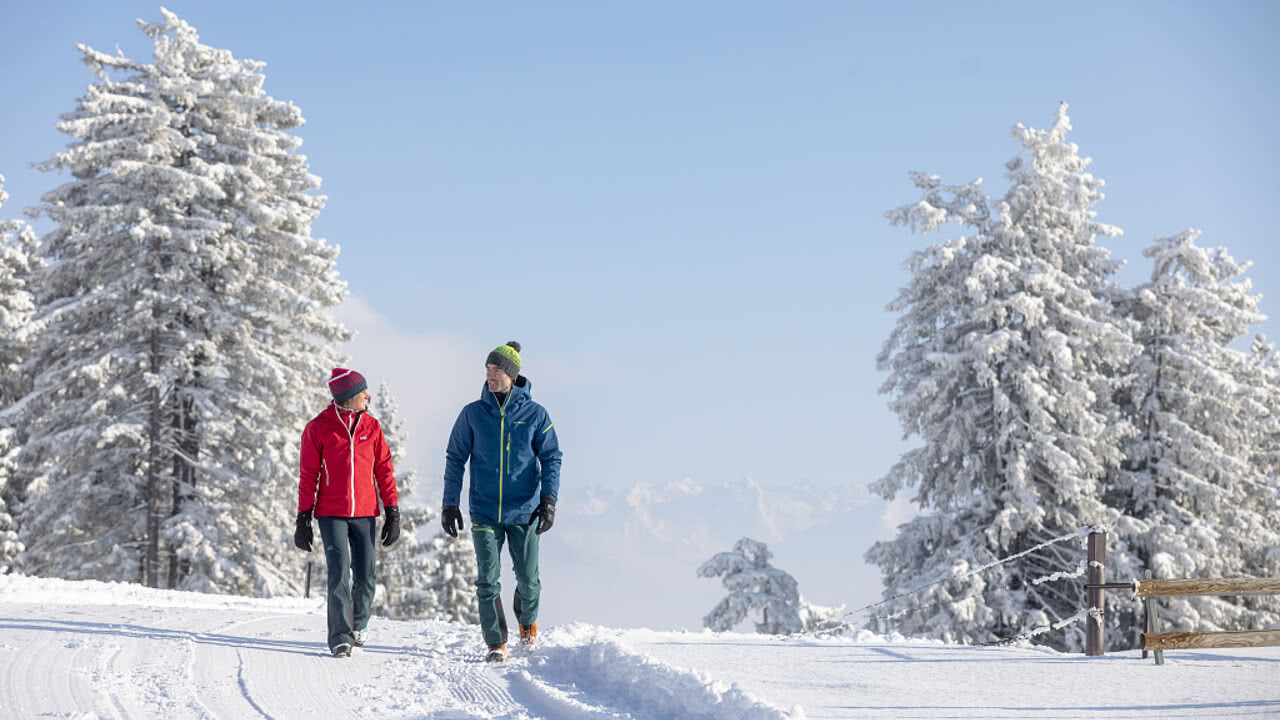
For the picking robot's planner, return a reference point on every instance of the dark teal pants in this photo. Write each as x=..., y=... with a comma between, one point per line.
x=350, y=553
x=522, y=542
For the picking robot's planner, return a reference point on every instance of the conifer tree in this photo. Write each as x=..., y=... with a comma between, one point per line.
x=17, y=260
x=1265, y=363
x=403, y=568
x=1004, y=361
x=1196, y=491
x=451, y=582
x=754, y=585
x=186, y=331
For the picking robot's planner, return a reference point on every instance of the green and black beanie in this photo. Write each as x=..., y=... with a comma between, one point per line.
x=506, y=358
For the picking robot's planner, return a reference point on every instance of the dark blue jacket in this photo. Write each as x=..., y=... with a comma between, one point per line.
x=514, y=454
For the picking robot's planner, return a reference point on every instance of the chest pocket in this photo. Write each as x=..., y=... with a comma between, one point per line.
x=519, y=447
x=363, y=449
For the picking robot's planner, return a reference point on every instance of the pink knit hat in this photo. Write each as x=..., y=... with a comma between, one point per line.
x=346, y=384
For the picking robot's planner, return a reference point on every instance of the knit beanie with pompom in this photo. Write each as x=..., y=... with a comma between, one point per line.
x=506, y=358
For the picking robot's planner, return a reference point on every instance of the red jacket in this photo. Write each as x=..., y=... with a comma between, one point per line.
x=344, y=472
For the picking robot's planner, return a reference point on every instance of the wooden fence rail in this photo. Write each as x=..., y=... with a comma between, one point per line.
x=1240, y=586
x=1155, y=640
x=1149, y=589
x=1189, y=640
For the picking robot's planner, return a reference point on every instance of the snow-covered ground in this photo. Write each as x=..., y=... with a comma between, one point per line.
x=93, y=650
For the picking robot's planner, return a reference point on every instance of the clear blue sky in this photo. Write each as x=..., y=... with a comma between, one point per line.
x=677, y=207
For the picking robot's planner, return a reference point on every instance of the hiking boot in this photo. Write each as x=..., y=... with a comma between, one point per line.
x=529, y=635
x=497, y=653
x=342, y=650
x=359, y=637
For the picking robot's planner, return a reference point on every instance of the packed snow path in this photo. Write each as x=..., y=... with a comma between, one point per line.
x=142, y=662
x=93, y=650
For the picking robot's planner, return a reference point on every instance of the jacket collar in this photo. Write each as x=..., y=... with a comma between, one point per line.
x=344, y=416
x=521, y=391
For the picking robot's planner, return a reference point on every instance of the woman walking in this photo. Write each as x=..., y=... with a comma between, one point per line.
x=346, y=468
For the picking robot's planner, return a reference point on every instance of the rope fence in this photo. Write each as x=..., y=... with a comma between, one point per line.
x=1084, y=614
x=1081, y=569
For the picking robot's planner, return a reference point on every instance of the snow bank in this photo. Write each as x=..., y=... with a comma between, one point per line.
x=26, y=589
x=593, y=659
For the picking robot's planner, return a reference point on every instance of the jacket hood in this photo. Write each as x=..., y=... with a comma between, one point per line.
x=520, y=393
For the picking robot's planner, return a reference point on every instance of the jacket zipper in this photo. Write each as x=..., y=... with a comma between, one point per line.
x=351, y=446
x=352, y=435
x=502, y=431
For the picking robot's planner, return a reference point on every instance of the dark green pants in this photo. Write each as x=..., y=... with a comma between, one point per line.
x=489, y=540
x=350, y=552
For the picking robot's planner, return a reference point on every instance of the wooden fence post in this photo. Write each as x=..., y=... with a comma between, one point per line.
x=1095, y=643
x=1146, y=618
x=1153, y=621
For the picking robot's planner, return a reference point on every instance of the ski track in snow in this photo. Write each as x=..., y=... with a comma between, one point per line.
x=49, y=664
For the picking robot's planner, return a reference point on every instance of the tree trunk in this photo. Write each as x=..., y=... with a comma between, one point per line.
x=192, y=446
x=153, y=453
x=1153, y=456
x=152, y=492
x=178, y=472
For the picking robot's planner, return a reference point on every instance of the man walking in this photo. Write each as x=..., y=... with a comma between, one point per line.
x=515, y=480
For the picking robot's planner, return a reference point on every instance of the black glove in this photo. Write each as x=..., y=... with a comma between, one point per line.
x=302, y=534
x=391, y=526
x=451, y=519
x=546, y=514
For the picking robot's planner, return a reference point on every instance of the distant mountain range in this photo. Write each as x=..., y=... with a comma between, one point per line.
x=627, y=557
x=689, y=514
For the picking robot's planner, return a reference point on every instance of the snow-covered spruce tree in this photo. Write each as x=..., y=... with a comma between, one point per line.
x=451, y=583
x=753, y=585
x=185, y=333
x=1004, y=362
x=1197, y=500
x=404, y=567
x=1265, y=360
x=17, y=260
